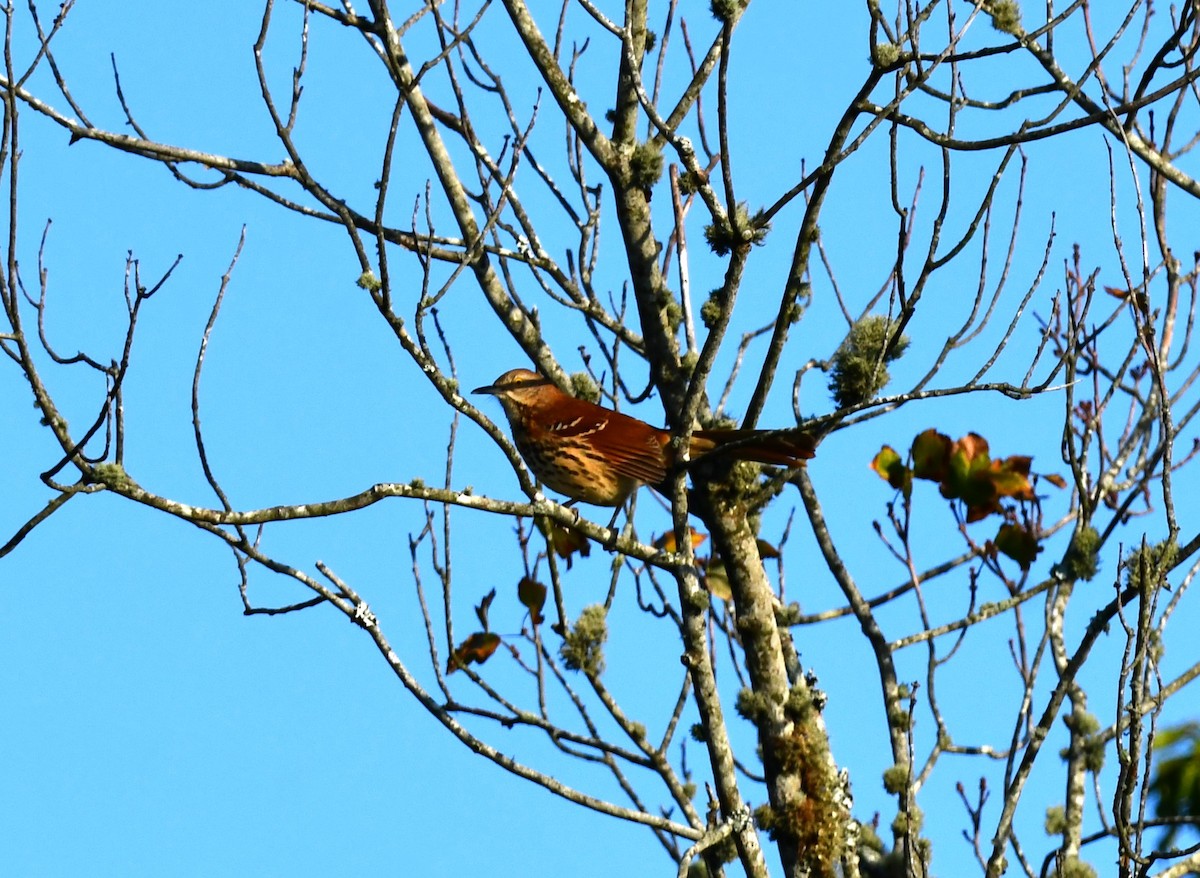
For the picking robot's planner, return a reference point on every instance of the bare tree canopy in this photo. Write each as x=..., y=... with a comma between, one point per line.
x=823, y=506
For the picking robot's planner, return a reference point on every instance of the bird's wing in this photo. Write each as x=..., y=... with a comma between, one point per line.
x=631, y=447
x=640, y=458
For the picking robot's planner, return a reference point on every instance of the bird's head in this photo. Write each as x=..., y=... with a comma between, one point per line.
x=519, y=389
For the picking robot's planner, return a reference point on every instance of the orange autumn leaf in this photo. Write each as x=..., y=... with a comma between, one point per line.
x=969, y=452
x=1139, y=297
x=966, y=474
x=993, y=480
x=1011, y=477
x=476, y=649
x=565, y=542
x=666, y=543
x=964, y=471
x=981, y=482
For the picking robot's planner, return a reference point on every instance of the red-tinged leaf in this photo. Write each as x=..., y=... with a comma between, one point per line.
x=983, y=487
x=889, y=466
x=973, y=448
x=969, y=479
x=766, y=550
x=1017, y=543
x=666, y=543
x=481, y=611
x=565, y=542
x=1138, y=296
x=532, y=594
x=1011, y=477
x=1055, y=479
x=476, y=649
x=964, y=471
x=931, y=455
x=980, y=506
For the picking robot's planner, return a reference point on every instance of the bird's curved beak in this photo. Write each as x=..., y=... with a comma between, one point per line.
x=489, y=389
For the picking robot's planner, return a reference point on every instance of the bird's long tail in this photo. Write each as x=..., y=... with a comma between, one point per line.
x=780, y=447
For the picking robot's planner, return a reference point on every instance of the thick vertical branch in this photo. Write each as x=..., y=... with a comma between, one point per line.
x=808, y=815
x=698, y=660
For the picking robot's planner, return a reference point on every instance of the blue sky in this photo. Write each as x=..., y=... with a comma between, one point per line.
x=150, y=728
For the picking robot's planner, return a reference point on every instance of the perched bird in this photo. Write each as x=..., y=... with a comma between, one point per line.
x=600, y=456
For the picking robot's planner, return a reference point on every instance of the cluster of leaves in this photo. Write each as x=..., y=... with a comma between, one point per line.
x=966, y=473
x=480, y=645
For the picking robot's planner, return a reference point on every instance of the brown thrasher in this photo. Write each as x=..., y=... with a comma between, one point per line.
x=599, y=456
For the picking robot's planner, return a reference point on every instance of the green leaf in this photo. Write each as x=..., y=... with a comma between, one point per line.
x=890, y=467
